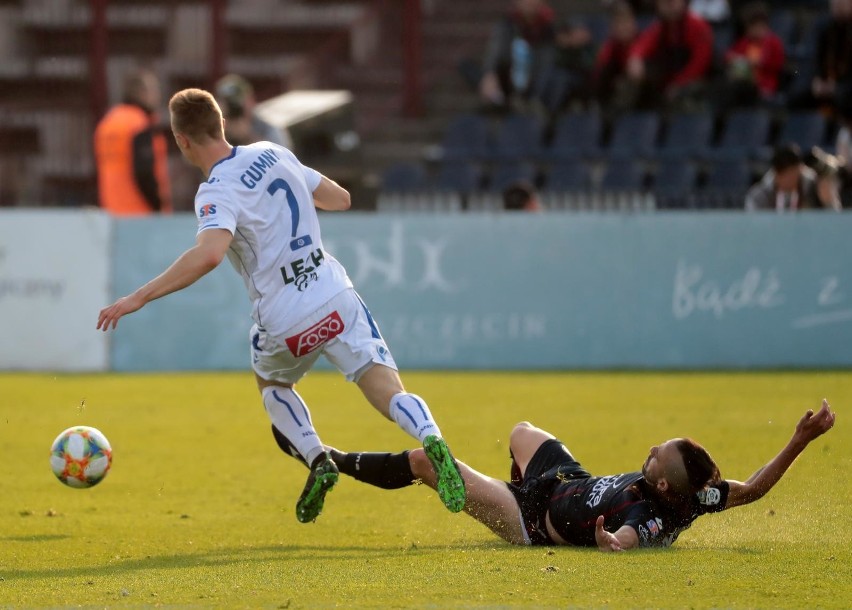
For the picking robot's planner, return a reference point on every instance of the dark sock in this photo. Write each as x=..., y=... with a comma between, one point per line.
x=385, y=470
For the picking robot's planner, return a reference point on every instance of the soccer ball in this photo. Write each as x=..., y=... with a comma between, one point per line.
x=81, y=456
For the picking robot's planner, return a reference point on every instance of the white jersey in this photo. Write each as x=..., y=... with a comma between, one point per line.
x=263, y=195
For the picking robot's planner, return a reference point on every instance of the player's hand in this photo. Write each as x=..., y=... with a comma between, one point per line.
x=606, y=541
x=813, y=424
x=123, y=306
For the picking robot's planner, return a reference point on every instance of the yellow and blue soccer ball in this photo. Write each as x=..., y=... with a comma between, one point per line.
x=81, y=456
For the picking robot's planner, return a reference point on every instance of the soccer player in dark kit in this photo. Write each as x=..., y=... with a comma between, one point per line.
x=551, y=499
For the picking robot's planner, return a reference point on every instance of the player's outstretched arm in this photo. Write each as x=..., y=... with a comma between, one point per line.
x=208, y=252
x=809, y=427
x=331, y=196
x=623, y=539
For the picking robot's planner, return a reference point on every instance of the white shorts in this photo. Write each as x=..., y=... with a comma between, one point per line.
x=342, y=329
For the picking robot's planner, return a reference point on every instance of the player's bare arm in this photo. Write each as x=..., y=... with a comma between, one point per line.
x=331, y=196
x=623, y=539
x=208, y=251
x=810, y=426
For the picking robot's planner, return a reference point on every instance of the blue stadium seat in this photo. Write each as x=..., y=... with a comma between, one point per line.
x=575, y=136
x=466, y=138
x=635, y=134
x=404, y=177
x=459, y=176
x=623, y=174
x=674, y=183
x=805, y=51
x=510, y=172
x=568, y=175
x=518, y=137
x=807, y=129
x=687, y=135
x=726, y=184
x=745, y=134
x=783, y=23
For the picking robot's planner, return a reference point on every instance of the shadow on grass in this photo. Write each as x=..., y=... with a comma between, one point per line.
x=36, y=538
x=238, y=555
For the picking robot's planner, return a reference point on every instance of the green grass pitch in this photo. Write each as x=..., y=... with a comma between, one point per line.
x=198, y=509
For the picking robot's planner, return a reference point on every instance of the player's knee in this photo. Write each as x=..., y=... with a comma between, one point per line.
x=520, y=428
x=419, y=462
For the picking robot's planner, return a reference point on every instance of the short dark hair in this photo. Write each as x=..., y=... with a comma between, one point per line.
x=786, y=156
x=135, y=84
x=700, y=467
x=195, y=114
x=755, y=12
x=518, y=195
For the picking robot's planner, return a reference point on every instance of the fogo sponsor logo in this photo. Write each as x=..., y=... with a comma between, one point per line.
x=310, y=339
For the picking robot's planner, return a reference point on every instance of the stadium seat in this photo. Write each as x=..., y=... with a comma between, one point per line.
x=687, y=135
x=805, y=51
x=783, y=23
x=674, y=183
x=404, y=177
x=745, y=134
x=568, y=175
x=459, y=176
x=575, y=136
x=466, y=138
x=635, y=134
x=510, y=172
x=622, y=174
x=807, y=129
x=726, y=184
x=518, y=137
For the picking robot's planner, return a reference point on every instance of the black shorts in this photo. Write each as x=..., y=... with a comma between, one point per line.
x=551, y=465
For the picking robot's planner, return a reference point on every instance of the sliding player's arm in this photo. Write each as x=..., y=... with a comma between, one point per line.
x=331, y=196
x=809, y=427
x=209, y=250
x=623, y=539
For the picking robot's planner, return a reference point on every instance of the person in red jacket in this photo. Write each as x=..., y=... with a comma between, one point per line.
x=672, y=55
x=131, y=152
x=610, y=73
x=756, y=60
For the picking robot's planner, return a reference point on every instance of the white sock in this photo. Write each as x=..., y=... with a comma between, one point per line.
x=412, y=414
x=290, y=415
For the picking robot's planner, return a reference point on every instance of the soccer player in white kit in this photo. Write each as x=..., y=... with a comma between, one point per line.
x=258, y=207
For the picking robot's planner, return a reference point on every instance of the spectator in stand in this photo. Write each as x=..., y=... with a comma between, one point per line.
x=131, y=151
x=844, y=151
x=639, y=7
x=610, y=75
x=833, y=81
x=755, y=61
x=714, y=12
x=673, y=56
x=567, y=77
x=521, y=44
x=521, y=197
x=242, y=125
x=790, y=185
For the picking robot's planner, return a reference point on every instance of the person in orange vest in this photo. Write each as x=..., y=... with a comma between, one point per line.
x=131, y=152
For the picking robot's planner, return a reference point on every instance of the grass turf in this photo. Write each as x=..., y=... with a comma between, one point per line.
x=199, y=507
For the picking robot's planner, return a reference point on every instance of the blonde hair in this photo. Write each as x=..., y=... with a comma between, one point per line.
x=195, y=114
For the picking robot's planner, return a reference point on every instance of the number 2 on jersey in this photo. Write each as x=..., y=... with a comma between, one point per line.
x=281, y=184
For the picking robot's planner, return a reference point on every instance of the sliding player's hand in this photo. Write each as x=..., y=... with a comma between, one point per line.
x=607, y=542
x=123, y=306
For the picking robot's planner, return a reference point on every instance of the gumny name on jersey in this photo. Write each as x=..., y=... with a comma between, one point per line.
x=257, y=170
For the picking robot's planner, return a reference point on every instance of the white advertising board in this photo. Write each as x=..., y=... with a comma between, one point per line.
x=54, y=278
